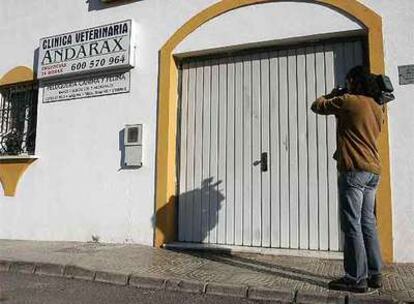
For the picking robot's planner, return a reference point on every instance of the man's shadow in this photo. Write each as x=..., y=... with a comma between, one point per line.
x=198, y=212
x=195, y=214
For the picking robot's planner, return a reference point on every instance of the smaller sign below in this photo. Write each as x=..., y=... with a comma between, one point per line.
x=406, y=74
x=91, y=86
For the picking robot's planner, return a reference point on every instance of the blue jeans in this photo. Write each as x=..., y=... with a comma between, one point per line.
x=362, y=256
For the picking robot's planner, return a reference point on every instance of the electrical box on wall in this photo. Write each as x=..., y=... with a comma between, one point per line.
x=133, y=145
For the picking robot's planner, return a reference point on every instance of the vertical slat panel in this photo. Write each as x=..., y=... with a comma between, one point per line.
x=198, y=154
x=214, y=145
x=265, y=133
x=349, y=59
x=247, y=152
x=348, y=55
x=205, y=196
x=293, y=151
x=183, y=156
x=190, y=197
x=358, y=53
x=257, y=150
x=302, y=150
x=349, y=62
x=322, y=159
x=284, y=151
x=230, y=212
x=222, y=202
x=340, y=73
x=332, y=172
x=339, y=65
x=312, y=151
x=274, y=150
x=239, y=144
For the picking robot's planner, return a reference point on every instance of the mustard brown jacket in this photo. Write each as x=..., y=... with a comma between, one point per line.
x=359, y=121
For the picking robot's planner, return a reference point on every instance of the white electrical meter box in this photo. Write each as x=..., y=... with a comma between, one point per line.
x=133, y=145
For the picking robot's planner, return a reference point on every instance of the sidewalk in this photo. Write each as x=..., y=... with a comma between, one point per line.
x=283, y=278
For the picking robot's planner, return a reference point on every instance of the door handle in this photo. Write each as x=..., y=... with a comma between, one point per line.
x=263, y=162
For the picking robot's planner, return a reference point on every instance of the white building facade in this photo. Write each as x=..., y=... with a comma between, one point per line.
x=220, y=92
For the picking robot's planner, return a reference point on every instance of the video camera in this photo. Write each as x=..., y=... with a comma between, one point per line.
x=384, y=82
x=385, y=85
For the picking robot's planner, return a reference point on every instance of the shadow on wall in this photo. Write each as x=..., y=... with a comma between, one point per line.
x=35, y=61
x=195, y=212
x=122, y=149
x=95, y=5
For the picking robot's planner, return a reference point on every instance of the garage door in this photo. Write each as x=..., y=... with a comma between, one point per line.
x=255, y=164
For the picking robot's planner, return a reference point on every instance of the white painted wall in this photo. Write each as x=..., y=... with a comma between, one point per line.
x=76, y=189
x=398, y=28
x=265, y=23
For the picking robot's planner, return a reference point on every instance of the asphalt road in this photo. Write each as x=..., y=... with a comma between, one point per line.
x=25, y=288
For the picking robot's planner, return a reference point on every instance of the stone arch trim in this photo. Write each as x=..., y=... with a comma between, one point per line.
x=165, y=196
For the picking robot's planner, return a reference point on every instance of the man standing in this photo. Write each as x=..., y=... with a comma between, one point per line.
x=359, y=121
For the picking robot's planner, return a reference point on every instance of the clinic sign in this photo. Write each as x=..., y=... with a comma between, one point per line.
x=101, y=48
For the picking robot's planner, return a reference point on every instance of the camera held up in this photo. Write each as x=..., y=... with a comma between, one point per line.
x=384, y=83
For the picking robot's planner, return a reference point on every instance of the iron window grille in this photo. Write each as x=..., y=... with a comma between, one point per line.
x=18, y=115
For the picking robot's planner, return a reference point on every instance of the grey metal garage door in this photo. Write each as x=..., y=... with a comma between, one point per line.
x=236, y=112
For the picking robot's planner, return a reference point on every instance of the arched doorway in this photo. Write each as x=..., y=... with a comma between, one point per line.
x=167, y=116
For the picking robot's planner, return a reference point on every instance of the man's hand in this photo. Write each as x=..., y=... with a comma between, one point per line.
x=328, y=105
x=338, y=91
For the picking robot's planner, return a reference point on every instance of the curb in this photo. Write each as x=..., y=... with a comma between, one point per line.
x=49, y=269
x=22, y=267
x=281, y=295
x=309, y=298
x=371, y=300
x=184, y=286
x=75, y=272
x=226, y=290
x=112, y=278
x=147, y=282
x=174, y=284
x=4, y=265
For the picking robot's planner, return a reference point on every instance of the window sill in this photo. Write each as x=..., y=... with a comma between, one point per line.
x=18, y=157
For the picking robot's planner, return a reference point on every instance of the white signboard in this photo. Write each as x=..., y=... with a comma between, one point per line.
x=100, y=48
x=87, y=87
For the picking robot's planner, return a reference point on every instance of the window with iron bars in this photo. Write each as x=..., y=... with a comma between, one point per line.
x=18, y=115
